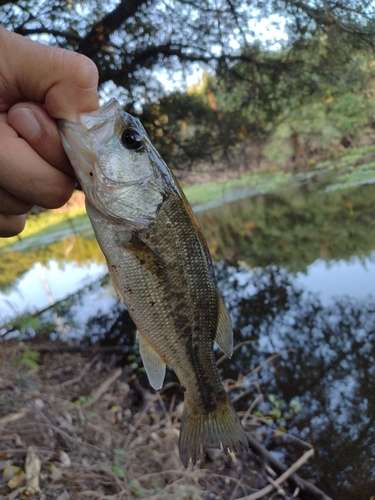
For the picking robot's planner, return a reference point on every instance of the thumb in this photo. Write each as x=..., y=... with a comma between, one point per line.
x=65, y=82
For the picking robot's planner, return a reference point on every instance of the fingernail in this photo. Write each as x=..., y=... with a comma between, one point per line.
x=25, y=123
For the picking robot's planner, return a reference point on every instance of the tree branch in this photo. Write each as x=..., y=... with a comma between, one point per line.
x=69, y=36
x=99, y=34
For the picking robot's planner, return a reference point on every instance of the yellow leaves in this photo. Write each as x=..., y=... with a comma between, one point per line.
x=161, y=120
x=16, y=480
x=56, y=474
x=211, y=99
x=250, y=225
x=10, y=471
x=16, y=476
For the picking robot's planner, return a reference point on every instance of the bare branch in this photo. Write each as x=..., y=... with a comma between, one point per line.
x=99, y=34
x=69, y=36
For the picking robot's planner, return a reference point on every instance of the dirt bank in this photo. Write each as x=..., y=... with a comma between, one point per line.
x=76, y=425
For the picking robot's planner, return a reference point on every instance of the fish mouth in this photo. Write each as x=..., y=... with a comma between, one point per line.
x=99, y=123
x=77, y=145
x=82, y=140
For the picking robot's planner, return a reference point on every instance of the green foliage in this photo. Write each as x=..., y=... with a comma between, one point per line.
x=277, y=411
x=82, y=400
x=14, y=264
x=40, y=225
x=292, y=228
x=303, y=104
x=119, y=457
x=29, y=359
x=255, y=84
x=338, y=115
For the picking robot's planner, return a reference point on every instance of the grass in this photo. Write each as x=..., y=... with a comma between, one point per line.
x=204, y=193
x=351, y=162
x=47, y=222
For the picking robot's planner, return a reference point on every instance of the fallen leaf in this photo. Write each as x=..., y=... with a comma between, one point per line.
x=32, y=468
x=63, y=458
x=10, y=471
x=16, y=480
x=56, y=473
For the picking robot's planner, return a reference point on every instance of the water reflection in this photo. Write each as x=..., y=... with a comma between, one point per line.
x=41, y=286
x=293, y=228
x=328, y=363
x=297, y=270
x=354, y=277
x=15, y=263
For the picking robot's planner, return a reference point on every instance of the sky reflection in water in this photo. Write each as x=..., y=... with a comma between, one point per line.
x=304, y=287
x=41, y=283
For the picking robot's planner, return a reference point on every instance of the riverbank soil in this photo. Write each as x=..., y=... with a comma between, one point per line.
x=74, y=424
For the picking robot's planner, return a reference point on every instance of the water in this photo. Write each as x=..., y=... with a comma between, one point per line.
x=297, y=270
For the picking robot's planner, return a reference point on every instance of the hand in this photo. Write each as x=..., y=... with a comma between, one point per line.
x=38, y=84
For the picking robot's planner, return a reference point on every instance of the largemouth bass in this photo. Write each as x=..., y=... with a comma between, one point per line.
x=160, y=266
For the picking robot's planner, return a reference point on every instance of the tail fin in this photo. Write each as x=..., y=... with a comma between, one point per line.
x=210, y=430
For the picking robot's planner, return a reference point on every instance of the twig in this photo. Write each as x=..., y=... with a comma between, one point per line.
x=137, y=422
x=80, y=376
x=243, y=393
x=15, y=494
x=92, y=494
x=250, y=409
x=235, y=348
x=267, y=489
x=303, y=485
x=12, y=417
x=239, y=481
x=280, y=491
x=266, y=361
x=103, y=388
x=164, y=407
x=171, y=406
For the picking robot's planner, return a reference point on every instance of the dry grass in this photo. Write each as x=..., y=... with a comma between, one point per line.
x=99, y=435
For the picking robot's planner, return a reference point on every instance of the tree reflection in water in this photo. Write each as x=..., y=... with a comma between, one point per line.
x=328, y=363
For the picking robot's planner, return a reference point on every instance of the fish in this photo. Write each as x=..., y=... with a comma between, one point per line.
x=160, y=266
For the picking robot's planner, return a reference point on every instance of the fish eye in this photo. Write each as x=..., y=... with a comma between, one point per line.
x=131, y=139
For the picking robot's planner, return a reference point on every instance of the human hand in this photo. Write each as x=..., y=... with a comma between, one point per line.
x=38, y=84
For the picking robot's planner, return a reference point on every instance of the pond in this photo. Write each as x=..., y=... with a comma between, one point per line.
x=297, y=271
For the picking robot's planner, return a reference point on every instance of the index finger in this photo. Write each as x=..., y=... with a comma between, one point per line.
x=64, y=81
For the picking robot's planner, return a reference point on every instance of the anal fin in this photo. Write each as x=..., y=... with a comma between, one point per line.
x=154, y=365
x=224, y=332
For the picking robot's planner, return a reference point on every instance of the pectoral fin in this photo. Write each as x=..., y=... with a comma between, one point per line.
x=224, y=332
x=146, y=256
x=154, y=365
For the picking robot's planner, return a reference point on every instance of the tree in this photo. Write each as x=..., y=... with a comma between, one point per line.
x=134, y=42
x=130, y=40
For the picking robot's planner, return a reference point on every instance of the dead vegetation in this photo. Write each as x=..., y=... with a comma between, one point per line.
x=76, y=426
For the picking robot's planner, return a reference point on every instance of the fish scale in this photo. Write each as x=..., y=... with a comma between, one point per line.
x=160, y=266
